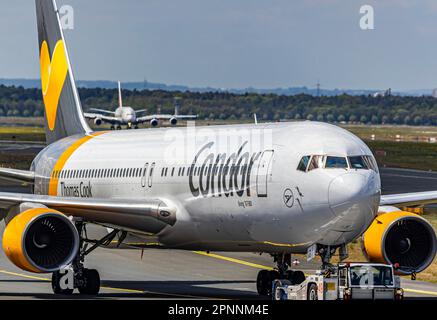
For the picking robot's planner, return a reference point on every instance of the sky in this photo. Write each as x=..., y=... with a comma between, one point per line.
x=236, y=43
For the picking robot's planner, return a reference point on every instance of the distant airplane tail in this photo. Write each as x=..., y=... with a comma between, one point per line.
x=120, y=99
x=63, y=110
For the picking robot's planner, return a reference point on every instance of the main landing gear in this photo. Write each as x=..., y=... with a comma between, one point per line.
x=76, y=276
x=265, y=278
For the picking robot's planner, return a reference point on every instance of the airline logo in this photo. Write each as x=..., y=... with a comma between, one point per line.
x=222, y=174
x=53, y=74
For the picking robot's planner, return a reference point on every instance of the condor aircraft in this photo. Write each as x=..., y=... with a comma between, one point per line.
x=125, y=115
x=278, y=188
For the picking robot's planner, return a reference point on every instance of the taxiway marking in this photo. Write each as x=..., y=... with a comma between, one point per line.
x=111, y=288
x=245, y=263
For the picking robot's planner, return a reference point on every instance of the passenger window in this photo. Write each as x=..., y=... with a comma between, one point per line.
x=316, y=162
x=303, y=164
x=336, y=162
x=358, y=162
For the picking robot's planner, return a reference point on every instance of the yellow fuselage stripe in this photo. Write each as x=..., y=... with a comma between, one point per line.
x=54, y=178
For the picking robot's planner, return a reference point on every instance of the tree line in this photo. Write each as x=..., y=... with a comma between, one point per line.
x=20, y=102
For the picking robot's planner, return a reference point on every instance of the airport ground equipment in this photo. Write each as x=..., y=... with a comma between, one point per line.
x=351, y=281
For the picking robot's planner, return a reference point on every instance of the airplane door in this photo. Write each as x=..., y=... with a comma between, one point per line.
x=152, y=169
x=144, y=175
x=263, y=173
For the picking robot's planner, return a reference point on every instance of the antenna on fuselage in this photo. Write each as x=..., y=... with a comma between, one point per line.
x=255, y=118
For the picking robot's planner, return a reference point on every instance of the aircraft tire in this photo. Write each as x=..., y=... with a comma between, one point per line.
x=262, y=282
x=312, y=292
x=92, y=282
x=56, y=285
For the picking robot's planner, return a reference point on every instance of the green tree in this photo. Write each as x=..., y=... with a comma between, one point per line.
x=330, y=117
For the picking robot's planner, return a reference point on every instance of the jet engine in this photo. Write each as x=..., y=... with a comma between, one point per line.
x=154, y=122
x=40, y=240
x=400, y=238
x=97, y=121
x=173, y=121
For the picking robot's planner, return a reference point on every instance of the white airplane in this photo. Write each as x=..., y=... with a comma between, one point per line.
x=281, y=188
x=125, y=115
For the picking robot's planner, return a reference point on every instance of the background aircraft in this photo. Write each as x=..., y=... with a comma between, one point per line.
x=125, y=115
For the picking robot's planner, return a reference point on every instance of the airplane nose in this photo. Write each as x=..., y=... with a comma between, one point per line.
x=353, y=200
x=346, y=188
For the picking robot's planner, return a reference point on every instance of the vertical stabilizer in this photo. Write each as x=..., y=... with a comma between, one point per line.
x=120, y=100
x=63, y=110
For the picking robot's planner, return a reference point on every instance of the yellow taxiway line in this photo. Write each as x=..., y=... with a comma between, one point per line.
x=22, y=275
x=259, y=266
x=431, y=293
x=246, y=263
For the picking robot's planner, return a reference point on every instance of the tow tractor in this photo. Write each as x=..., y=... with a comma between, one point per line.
x=346, y=281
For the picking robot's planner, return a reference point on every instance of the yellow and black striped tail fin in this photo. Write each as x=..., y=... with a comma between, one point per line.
x=63, y=110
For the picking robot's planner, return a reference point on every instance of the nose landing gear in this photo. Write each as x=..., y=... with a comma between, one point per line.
x=266, y=278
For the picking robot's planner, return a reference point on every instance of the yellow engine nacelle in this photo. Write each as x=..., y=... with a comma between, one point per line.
x=401, y=238
x=40, y=240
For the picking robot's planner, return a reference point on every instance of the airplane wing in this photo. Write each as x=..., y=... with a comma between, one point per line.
x=140, y=111
x=22, y=176
x=148, y=118
x=152, y=214
x=102, y=111
x=92, y=116
x=186, y=117
x=164, y=117
x=409, y=199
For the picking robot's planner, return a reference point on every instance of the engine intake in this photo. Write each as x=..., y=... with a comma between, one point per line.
x=403, y=238
x=97, y=121
x=40, y=240
x=173, y=121
x=154, y=122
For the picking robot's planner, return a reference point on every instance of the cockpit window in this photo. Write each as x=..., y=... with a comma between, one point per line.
x=316, y=162
x=358, y=162
x=336, y=162
x=308, y=163
x=303, y=164
x=371, y=163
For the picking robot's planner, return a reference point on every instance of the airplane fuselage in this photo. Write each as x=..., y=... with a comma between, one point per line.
x=126, y=115
x=235, y=188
